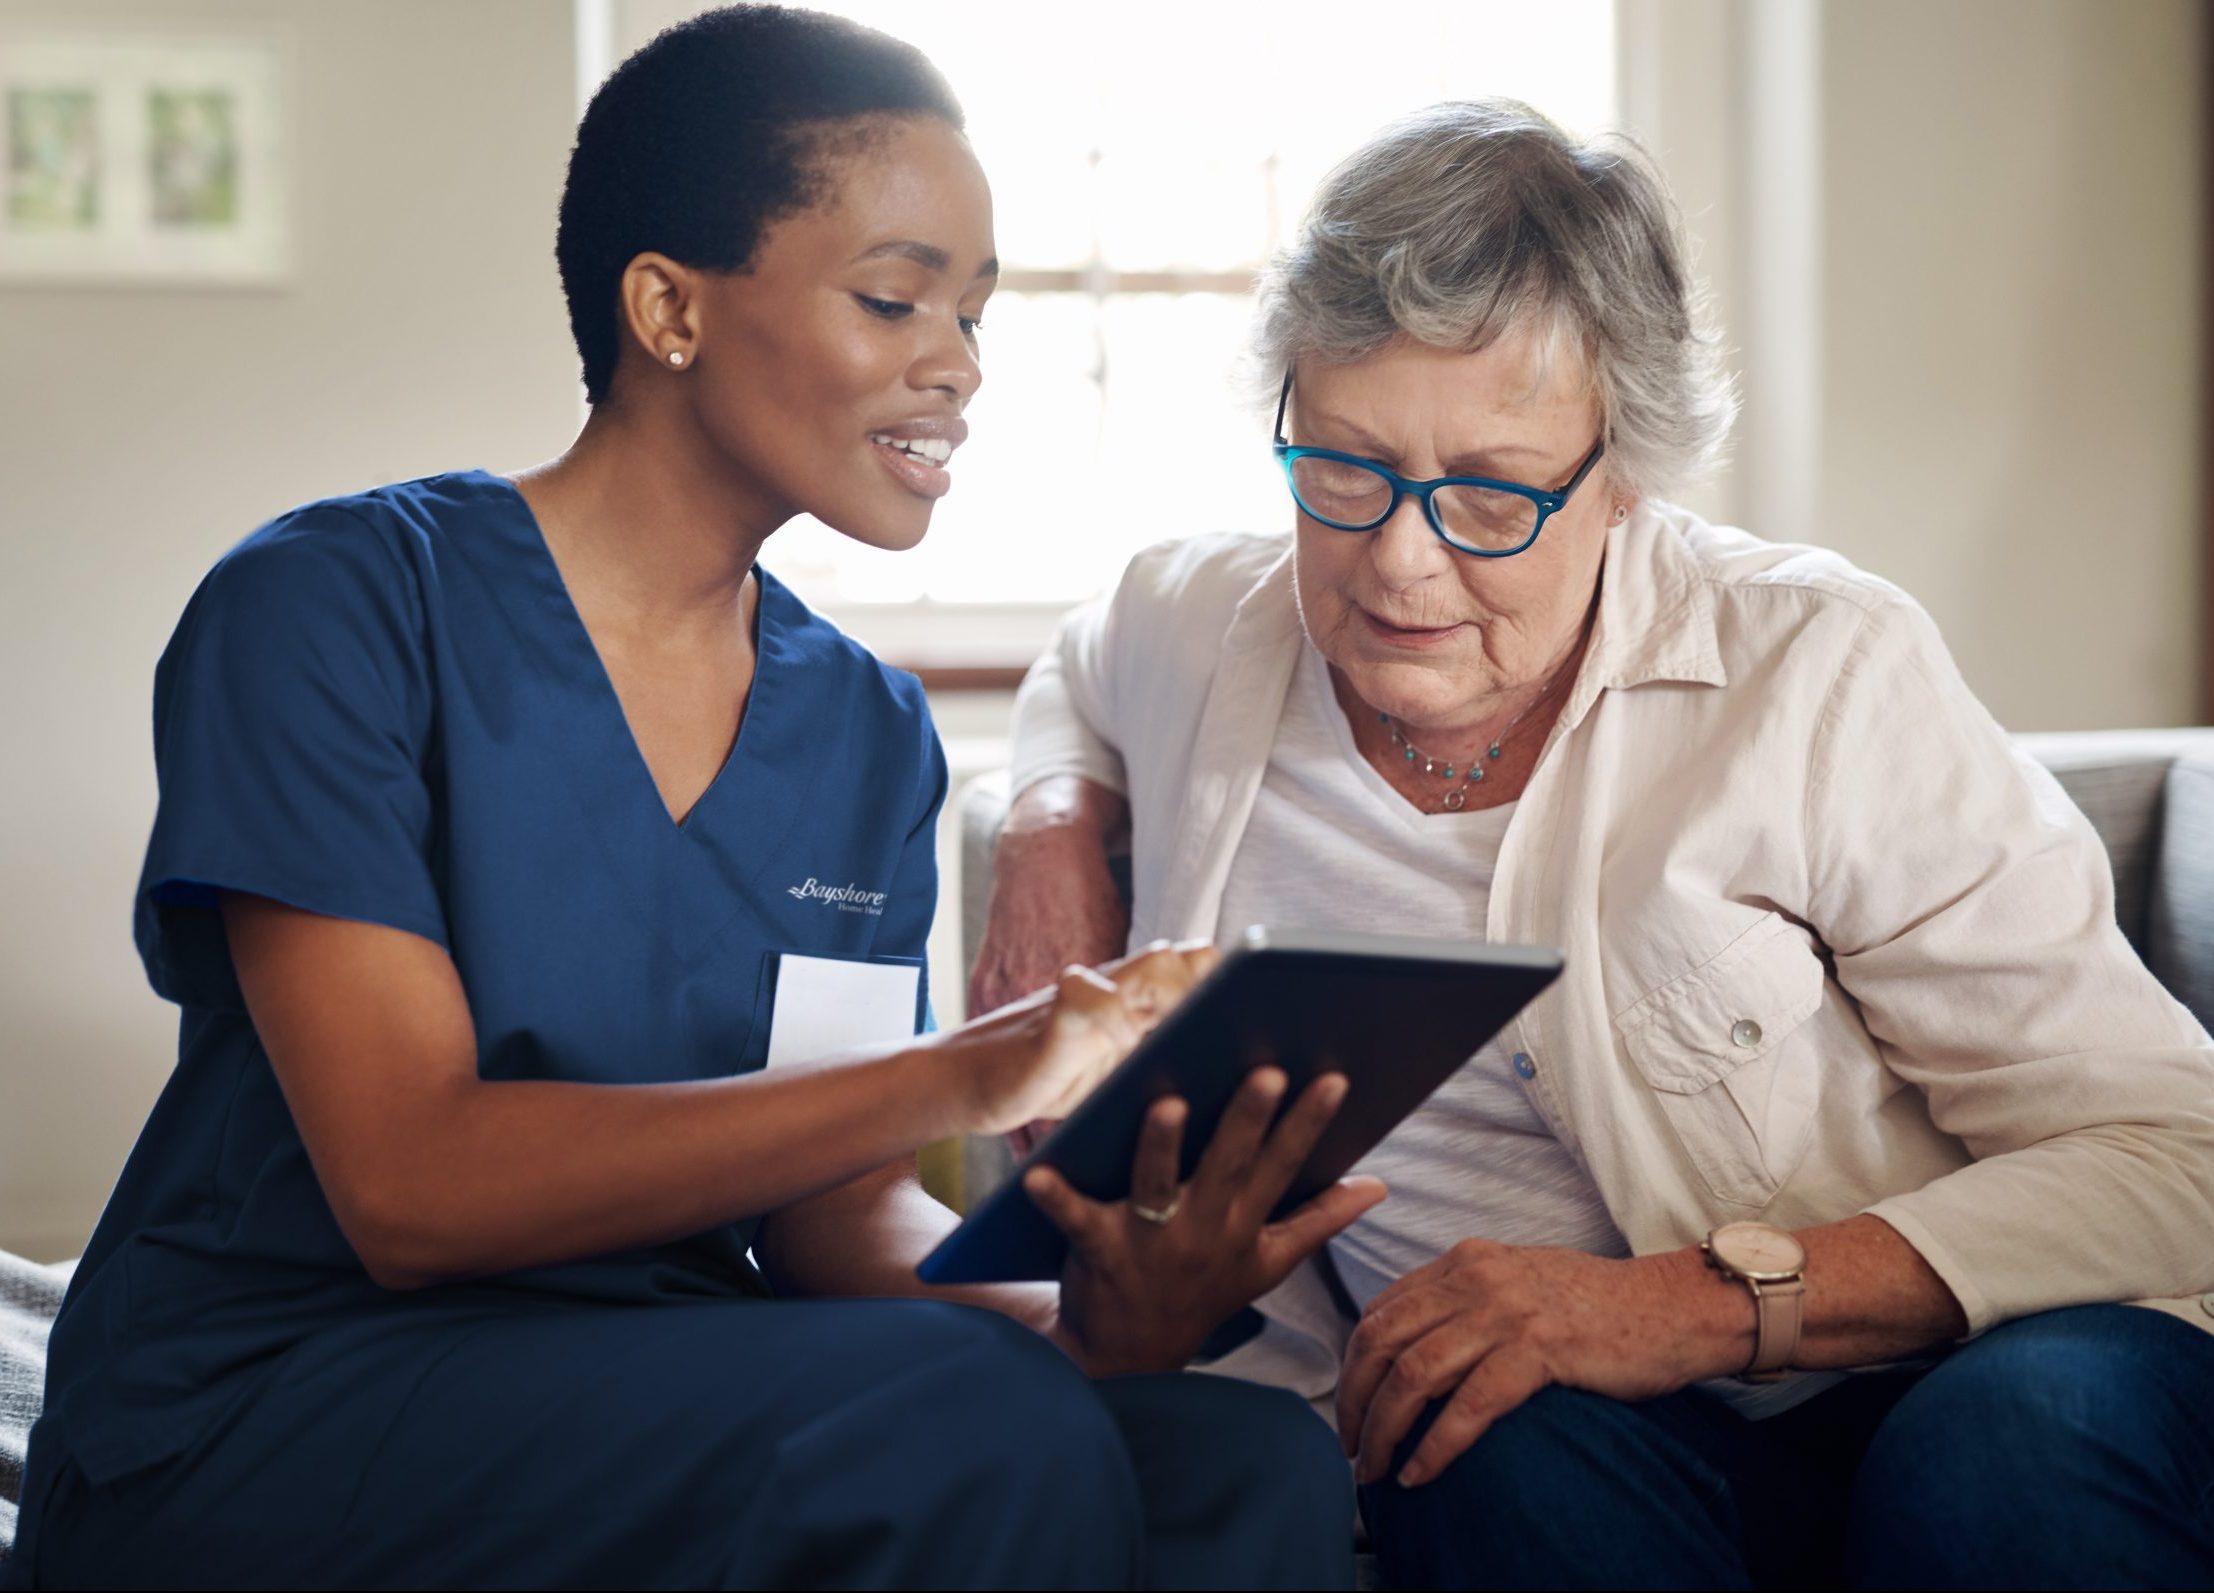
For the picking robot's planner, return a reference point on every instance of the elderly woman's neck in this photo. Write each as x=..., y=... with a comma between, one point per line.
x=1434, y=763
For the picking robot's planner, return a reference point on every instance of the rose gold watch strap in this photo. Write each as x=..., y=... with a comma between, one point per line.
x=1780, y=1310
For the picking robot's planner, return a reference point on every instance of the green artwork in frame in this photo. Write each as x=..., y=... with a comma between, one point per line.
x=53, y=159
x=192, y=157
x=145, y=158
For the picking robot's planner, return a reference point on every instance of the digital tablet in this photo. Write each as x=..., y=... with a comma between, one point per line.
x=1395, y=1014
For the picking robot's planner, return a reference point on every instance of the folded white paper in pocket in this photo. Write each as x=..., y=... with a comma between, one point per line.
x=825, y=1006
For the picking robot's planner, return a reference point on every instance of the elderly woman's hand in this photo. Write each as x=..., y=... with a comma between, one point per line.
x=1486, y=1326
x=1141, y=1293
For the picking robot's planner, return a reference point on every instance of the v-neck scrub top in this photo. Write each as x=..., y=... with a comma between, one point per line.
x=385, y=708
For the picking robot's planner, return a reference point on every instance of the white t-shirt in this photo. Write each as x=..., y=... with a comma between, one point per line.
x=1330, y=845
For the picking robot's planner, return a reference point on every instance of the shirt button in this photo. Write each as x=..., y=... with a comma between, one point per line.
x=1745, y=1032
x=1524, y=1066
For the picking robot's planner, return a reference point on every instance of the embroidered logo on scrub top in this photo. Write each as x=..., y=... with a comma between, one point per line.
x=846, y=898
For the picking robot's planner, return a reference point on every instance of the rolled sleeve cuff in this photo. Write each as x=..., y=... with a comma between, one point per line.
x=1898, y=1211
x=1036, y=760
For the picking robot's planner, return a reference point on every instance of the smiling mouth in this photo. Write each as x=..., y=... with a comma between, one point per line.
x=932, y=450
x=917, y=463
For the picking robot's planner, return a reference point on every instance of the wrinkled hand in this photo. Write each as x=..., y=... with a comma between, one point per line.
x=1139, y=1295
x=1486, y=1326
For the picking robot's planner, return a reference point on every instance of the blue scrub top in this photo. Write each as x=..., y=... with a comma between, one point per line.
x=386, y=708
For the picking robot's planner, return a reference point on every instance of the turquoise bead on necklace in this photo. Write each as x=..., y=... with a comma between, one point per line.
x=1456, y=798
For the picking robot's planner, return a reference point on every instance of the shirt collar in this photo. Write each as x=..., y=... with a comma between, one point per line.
x=1656, y=609
x=1268, y=614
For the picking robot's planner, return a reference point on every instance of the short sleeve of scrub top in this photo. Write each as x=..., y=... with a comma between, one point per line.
x=385, y=708
x=293, y=715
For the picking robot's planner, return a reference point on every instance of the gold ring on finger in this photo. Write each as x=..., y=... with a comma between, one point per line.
x=1159, y=1216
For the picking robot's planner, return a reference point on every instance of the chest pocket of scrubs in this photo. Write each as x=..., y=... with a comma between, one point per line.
x=1717, y=1047
x=864, y=1021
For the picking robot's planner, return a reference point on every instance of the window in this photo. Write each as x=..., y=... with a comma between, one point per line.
x=1142, y=172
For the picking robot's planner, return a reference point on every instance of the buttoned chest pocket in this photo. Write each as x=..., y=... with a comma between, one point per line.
x=1724, y=1051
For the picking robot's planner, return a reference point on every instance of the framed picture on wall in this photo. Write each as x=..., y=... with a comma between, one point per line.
x=150, y=160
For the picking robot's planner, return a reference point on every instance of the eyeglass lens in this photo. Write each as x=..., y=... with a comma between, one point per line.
x=1349, y=495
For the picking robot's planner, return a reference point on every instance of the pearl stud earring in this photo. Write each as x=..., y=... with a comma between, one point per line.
x=676, y=356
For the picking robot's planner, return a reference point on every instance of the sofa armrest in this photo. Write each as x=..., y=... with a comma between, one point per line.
x=2179, y=922
x=984, y=802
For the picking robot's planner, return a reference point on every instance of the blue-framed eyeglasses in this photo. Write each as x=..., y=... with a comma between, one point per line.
x=1470, y=514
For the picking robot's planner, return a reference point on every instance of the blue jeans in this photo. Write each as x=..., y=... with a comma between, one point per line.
x=2070, y=1449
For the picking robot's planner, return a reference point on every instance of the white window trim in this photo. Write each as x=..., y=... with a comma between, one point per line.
x=927, y=633
x=1727, y=95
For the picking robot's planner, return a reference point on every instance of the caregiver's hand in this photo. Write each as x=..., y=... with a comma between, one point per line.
x=1140, y=1294
x=1486, y=1326
x=1039, y=1056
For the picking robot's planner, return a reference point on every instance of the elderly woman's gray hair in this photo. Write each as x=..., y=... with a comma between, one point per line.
x=1477, y=217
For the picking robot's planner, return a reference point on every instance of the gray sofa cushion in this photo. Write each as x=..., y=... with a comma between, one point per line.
x=29, y=1296
x=2179, y=934
x=2119, y=779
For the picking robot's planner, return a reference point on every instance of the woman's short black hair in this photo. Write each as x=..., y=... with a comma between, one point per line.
x=707, y=135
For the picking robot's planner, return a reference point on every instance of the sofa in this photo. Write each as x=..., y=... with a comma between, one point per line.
x=29, y=1296
x=2150, y=795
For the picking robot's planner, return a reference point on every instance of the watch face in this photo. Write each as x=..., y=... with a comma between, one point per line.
x=1758, y=1250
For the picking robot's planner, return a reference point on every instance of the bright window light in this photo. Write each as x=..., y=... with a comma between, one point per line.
x=1142, y=169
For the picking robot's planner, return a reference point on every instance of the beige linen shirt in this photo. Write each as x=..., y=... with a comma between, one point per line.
x=1833, y=944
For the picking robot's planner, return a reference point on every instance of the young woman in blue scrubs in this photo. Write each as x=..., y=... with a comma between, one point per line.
x=471, y=1243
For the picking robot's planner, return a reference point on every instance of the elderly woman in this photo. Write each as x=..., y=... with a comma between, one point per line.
x=1782, y=1241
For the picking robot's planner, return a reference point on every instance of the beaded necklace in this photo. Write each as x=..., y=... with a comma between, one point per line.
x=1457, y=798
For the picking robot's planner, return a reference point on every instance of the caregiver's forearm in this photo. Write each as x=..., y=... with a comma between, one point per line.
x=864, y=1239
x=1870, y=1297
x=548, y=1171
x=435, y=1172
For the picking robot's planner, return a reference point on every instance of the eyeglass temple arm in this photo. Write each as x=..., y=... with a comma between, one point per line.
x=1591, y=462
x=1282, y=399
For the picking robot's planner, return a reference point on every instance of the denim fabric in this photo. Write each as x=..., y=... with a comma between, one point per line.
x=2062, y=1450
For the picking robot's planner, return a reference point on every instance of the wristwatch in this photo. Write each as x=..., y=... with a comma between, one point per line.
x=1773, y=1265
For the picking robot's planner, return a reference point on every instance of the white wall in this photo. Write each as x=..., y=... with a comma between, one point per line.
x=144, y=430
x=1994, y=394
x=2012, y=343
